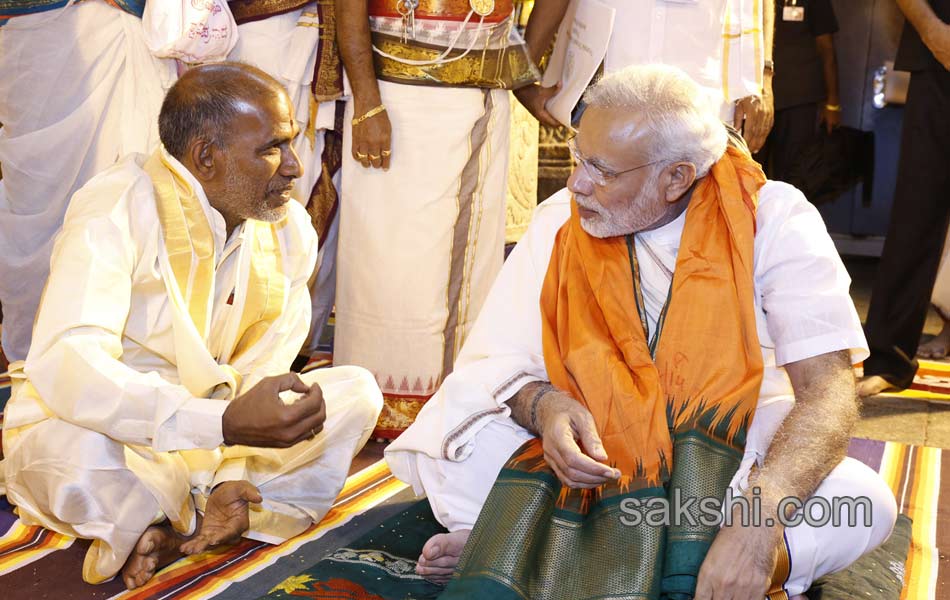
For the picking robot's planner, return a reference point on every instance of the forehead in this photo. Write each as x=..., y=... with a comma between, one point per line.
x=265, y=117
x=611, y=132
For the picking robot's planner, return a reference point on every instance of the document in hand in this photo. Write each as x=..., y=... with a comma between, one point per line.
x=580, y=48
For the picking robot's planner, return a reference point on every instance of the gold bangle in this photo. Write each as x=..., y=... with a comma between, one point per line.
x=833, y=107
x=370, y=113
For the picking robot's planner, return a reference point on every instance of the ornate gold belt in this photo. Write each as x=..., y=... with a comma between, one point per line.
x=494, y=11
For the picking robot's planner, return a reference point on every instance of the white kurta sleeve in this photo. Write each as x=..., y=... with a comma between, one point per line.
x=804, y=286
x=74, y=363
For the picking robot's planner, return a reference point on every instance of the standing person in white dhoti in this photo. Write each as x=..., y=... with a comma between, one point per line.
x=669, y=282
x=723, y=45
x=78, y=89
x=422, y=221
x=154, y=406
x=295, y=42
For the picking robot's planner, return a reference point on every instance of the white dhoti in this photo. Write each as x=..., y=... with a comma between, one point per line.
x=421, y=243
x=285, y=46
x=84, y=484
x=78, y=89
x=457, y=491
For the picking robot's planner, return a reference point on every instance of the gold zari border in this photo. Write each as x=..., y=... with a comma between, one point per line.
x=508, y=68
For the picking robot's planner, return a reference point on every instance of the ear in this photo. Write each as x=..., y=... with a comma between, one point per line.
x=681, y=177
x=203, y=155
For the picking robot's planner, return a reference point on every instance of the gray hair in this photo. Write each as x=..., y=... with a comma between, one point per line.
x=206, y=99
x=685, y=125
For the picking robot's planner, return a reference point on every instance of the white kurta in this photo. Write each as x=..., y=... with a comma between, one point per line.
x=78, y=89
x=105, y=438
x=465, y=434
x=718, y=43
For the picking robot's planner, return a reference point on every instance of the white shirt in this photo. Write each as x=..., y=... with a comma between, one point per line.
x=719, y=43
x=803, y=309
x=103, y=354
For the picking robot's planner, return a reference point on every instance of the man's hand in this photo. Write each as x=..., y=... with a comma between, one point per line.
x=754, y=117
x=831, y=119
x=563, y=421
x=739, y=563
x=260, y=418
x=534, y=97
x=226, y=516
x=937, y=39
x=372, y=139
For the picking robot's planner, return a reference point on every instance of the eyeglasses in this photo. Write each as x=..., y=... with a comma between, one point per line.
x=598, y=175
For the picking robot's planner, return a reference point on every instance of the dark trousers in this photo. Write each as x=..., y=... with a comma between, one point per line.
x=794, y=128
x=915, y=237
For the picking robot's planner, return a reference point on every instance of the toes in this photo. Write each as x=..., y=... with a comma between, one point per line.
x=444, y=561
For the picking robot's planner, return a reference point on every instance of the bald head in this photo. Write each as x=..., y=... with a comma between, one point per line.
x=206, y=99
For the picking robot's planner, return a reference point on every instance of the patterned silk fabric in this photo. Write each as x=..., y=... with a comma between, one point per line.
x=449, y=43
x=674, y=425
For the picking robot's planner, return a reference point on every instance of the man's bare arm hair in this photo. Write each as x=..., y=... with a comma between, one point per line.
x=814, y=437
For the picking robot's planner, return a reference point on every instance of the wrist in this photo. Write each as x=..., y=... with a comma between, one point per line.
x=365, y=101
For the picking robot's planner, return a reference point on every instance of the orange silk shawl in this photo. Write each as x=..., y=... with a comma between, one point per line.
x=708, y=366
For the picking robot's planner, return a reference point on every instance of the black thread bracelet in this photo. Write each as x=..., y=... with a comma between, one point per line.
x=543, y=389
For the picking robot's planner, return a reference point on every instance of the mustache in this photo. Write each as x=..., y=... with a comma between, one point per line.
x=280, y=186
x=591, y=206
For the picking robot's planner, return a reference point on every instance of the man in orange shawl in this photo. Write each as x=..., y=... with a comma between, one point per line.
x=694, y=341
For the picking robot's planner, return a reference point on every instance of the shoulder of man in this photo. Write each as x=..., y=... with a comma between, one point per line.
x=122, y=189
x=787, y=224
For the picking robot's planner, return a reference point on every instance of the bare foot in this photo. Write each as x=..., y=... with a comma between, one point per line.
x=938, y=347
x=873, y=385
x=225, y=518
x=158, y=546
x=441, y=554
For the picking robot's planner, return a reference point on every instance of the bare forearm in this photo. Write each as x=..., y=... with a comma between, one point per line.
x=356, y=49
x=545, y=19
x=814, y=437
x=921, y=16
x=829, y=66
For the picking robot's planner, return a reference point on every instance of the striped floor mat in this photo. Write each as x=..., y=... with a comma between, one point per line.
x=918, y=476
x=202, y=576
x=36, y=563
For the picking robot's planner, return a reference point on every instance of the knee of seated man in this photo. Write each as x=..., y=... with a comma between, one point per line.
x=366, y=401
x=863, y=482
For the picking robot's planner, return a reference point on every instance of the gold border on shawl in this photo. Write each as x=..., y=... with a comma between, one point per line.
x=783, y=567
x=189, y=240
x=505, y=68
x=265, y=286
x=328, y=73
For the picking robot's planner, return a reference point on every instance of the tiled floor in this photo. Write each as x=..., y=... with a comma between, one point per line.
x=897, y=419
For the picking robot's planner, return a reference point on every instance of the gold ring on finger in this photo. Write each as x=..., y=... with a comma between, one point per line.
x=386, y=152
x=374, y=157
x=360, y=156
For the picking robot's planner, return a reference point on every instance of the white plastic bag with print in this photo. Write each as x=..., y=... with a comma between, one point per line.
x=193, y=31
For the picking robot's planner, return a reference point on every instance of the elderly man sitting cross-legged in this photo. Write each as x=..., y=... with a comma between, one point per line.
x=157, y=402
x=671, y=331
